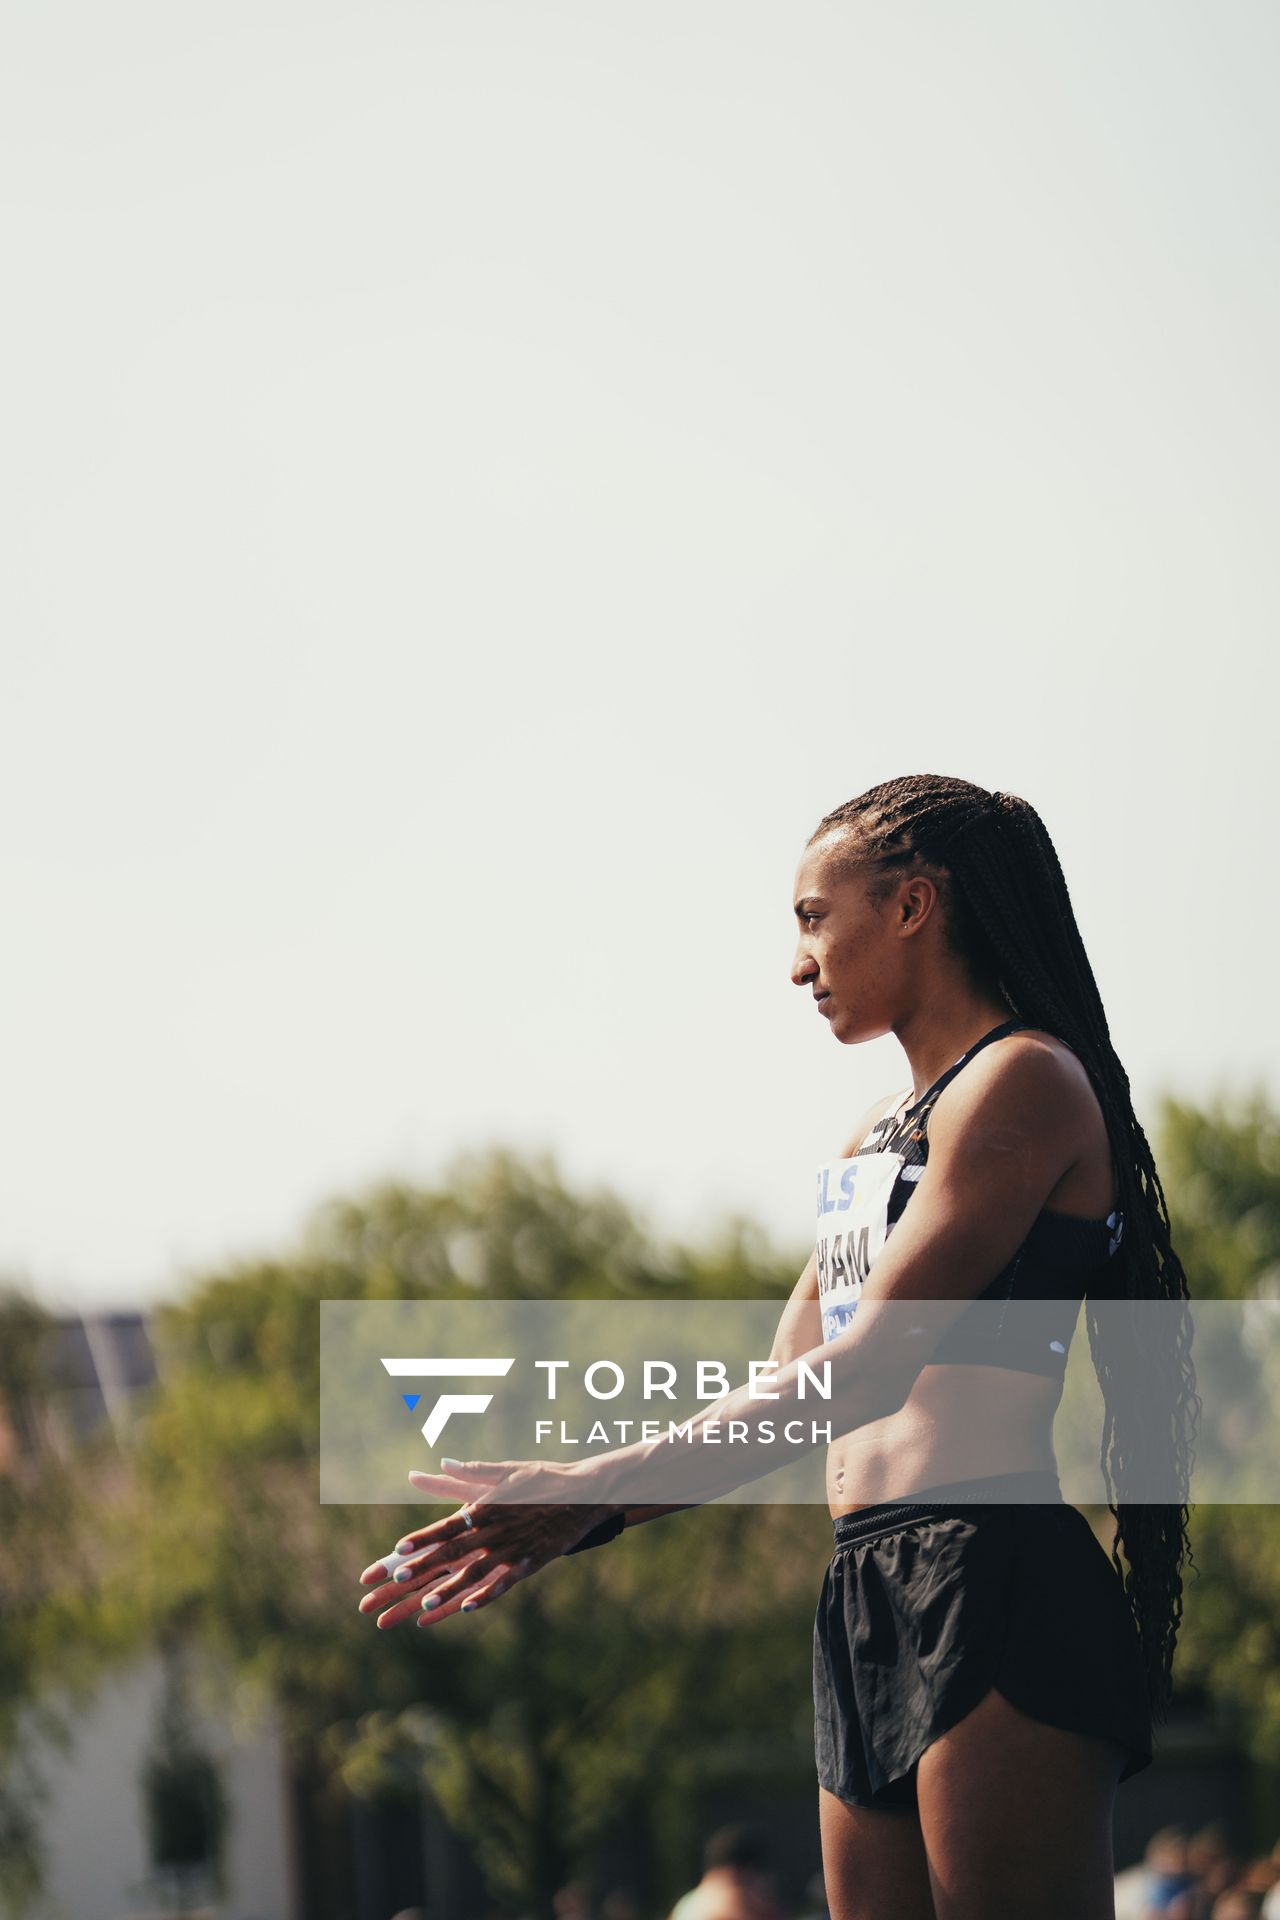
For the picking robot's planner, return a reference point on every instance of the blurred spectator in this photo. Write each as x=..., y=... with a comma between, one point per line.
x=1150, y=1887
x=1198, y=1879
x=736, y=1883
x=572, y=1902
x=1131, y=1892
x=1169, y=1877
x=1271, y=1904
x=1213, y=1866
x=1207, y=1850
x=1237, y=1904
x=1181, y=1907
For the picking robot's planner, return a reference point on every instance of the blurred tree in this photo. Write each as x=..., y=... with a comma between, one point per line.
x=1220, y=1168
x=595, y=1687
x=34, y=1502
x=619, y=1682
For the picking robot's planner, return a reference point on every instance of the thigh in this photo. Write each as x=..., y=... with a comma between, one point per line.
x=1016, y=1817
x=873, y=1862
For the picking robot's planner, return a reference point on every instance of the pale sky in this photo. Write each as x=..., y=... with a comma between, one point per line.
x=481, y=481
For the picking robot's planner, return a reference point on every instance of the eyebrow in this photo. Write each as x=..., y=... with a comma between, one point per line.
x=809, y=900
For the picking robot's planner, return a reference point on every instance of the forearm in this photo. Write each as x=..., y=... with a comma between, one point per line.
x=636, y=1516
x=871, y=1368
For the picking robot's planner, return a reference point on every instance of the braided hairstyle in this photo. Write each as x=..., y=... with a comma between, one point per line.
x=1008, y=917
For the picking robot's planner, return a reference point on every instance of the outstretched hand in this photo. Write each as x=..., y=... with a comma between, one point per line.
x=460, y=1563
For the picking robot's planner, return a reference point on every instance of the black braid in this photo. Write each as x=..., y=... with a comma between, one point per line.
x=1008, y=915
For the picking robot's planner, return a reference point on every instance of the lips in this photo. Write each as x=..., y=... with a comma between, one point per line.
x=821, y=998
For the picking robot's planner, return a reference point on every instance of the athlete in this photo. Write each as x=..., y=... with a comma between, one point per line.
x=984, y=1674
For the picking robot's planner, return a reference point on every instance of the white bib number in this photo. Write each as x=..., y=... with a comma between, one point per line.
x=853, y=1206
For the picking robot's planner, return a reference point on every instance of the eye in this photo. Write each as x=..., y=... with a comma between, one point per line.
x=810, y=919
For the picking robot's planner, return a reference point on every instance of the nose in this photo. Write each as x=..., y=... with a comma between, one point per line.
x=803, y=968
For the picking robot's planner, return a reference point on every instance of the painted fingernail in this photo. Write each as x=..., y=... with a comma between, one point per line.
x=404, y=1546
x=432, y=1600
x=468, y=1606
x=403, y=1573
x=446, y=1462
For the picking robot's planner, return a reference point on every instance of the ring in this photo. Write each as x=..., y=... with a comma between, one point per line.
x=467, y=1521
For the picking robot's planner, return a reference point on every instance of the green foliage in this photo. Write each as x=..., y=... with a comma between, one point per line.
x=539, y=1723
x=21, y=1855
x=620, y=1684
x=35, y=1503
x=1231, y=1629
x=1220, y=1168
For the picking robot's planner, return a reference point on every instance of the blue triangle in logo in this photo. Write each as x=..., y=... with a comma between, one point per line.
x=411, y=1400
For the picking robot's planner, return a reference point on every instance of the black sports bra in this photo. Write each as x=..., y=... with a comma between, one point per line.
x=861, y=1198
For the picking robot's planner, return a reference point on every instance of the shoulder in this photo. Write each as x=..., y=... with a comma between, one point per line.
x=1028, y=1083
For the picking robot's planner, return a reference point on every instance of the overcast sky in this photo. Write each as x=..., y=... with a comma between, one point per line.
x=481, y=481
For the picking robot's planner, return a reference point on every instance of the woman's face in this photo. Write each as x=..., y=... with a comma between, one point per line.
x=850, y=955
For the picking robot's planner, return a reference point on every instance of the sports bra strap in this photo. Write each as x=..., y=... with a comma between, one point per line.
x=996, y=1033
x=890, y=1119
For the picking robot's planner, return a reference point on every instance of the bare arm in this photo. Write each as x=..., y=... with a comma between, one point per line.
x=799, y=1328
x=1001, y=1138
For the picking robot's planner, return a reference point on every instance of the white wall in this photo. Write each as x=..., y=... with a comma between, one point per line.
x=93, y=1824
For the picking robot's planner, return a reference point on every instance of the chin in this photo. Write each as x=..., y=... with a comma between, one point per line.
x=851, y=1035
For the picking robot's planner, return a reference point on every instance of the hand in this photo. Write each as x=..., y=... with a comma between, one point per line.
x=458, y=1567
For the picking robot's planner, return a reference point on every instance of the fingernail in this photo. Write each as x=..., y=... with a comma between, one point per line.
x=446, y=1463
x=404, y=1546
x=468, y=1606
x=432, y=1600
x=403, y=1573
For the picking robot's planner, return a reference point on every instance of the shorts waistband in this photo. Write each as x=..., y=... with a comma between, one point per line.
x=1002, y=1489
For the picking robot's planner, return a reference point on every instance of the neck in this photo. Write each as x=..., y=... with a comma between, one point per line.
x=936, y=1033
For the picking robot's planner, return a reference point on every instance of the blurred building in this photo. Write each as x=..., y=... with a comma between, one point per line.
x=116, y=1797
x=130, y=1827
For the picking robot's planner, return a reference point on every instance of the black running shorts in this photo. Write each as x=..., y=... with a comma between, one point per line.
x=927, y=1605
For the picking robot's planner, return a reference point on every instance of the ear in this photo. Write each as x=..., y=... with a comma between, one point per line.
x=917, y=901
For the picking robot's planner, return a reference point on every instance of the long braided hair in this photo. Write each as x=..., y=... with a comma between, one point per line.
x=1008, y=916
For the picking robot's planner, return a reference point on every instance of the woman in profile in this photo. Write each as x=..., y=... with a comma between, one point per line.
x=984, y=1675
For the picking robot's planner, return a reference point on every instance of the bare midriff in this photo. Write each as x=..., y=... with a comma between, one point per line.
x=932, y=1439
